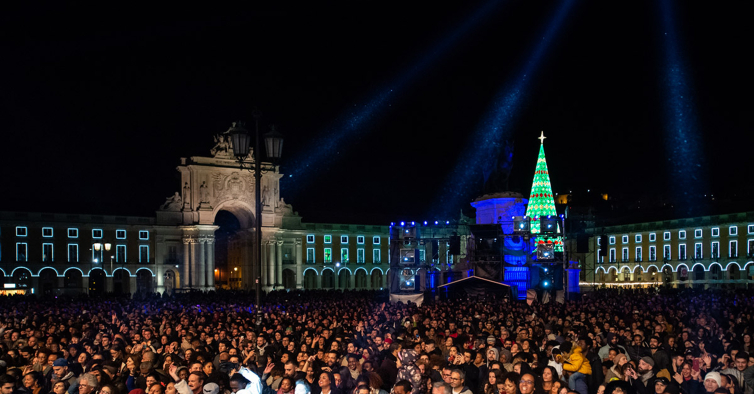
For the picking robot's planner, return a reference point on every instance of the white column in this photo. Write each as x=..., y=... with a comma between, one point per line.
x=384, y=279
x=194, y=265
x=202, y=266
x=271, y=265
x=319, y=280
x=262, y=263
x=352, y=281
x=369, y=281
x=299, y=265
x=185, y=275
x=210, y=264
x=279, y=265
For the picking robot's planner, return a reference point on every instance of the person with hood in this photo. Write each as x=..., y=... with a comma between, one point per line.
x=577, y=365
x=615, y=371
x=408, y=370
x=492, y=355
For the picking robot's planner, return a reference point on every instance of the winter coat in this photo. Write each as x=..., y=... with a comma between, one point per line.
x=577, y=362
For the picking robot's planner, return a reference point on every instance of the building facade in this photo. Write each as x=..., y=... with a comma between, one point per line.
x=708, y=251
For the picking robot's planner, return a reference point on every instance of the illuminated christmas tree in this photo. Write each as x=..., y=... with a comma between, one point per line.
x=541, y=202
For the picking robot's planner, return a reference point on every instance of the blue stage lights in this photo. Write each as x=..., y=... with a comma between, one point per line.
x=484, y=145
x=357, y=120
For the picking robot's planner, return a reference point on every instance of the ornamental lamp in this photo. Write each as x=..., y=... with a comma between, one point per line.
x=240, y=139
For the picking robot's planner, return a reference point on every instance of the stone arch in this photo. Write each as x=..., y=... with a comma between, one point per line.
x=699, y=264
x=73, y=279
x=97, y=277
x=328, y=278
x=22, y=277
x=171, y=280
x=344, y=278
x=122, y=281
x=48, y=268
x=96, y=269
x=48, y=280
x=598, y=270
x=289, y=279
x=122, y=269
x=361, y=278
x=144, y=281
x=698, y=272
x=22, y=268
x=241, y=210
x=3, y=271
x=376, y=277
x=310, y=278
x=638, y=267
x=612, y=268
x=678, y=267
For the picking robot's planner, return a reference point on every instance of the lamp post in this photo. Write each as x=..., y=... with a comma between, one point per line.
x=241, y=140
x=98, y=247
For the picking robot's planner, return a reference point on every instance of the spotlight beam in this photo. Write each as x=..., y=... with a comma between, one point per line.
x=484, y=145
x=683, y=144
x=357, y=121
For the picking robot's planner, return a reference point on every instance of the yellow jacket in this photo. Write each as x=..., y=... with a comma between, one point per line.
x=577, y=362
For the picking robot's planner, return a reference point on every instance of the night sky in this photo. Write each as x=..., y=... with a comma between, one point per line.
x=99, y=104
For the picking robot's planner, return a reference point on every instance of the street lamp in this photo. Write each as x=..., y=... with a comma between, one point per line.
x=241, y=140
x=98, y=247
x=235, y=269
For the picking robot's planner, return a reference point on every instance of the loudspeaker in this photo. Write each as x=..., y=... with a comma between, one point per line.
x=548, y=224
x=521, y=223
x=455, y=245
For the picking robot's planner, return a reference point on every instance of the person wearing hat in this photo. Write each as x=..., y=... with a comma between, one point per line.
x=62, y=374
x=660, y=385
x=712, y=381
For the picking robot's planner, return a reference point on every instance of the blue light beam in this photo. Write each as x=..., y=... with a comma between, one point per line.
x=683, y=145
x=484, y=145
x=358, y=120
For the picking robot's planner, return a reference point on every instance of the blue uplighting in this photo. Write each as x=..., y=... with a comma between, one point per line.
x=683, y=142
x=359, y=119
x=484, y=145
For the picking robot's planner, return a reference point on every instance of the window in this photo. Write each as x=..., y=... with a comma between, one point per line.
x=652, y=253
x=601, y=259
x=750, y=229
x=328, y=239
x=698, y=250
x=96, y=233
x=698, y=233
x=97, y=255
x=120, y=253
x=21, y=249
x=666, y=236
x=422, y=255
x=376, y=256
x=344, y=239
x=310, y=255
x=73, y=233
x=652, y=237
x=143, y=253
x=328, y=255
x=172, y=254
x=360, y=256
x=733, y=230
x=624, y=255
x=449, y=258
x=637, y=257
x=21, y=231
x=344, y=255
x=144, y=235
x=715, y=250
x=73, y=253
x=612, y=255
x=376, y=240
x=310, y=239
x=666, y=252
x=750, y=248
x=120, y=234
x=599, y=241
x=682, y=234
x=625, y=239
x=612, y=240
x=637, y=238
x=716, y=231
x=733, y=252
x=682, y=252
x=47, y=232
x=47, y=253
x=360, y=240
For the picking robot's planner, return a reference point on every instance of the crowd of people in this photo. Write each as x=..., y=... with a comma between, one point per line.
x=329, y=342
